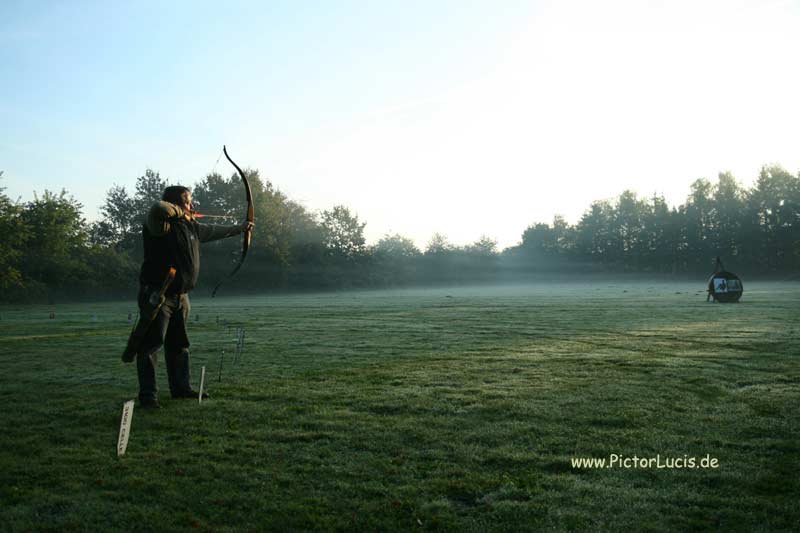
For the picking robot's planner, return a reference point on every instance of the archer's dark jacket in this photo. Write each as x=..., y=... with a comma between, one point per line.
x=172, y=241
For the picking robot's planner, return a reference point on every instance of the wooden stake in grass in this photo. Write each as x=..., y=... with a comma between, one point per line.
x=221, y=358
x=202, y=382
x=237, y=349
x=241, y=345
x=124, y=428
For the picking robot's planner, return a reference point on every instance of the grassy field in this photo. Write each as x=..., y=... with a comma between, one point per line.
x=447, y=409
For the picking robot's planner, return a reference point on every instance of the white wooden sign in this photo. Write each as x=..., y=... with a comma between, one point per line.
x=202, y=381
x=125, y=428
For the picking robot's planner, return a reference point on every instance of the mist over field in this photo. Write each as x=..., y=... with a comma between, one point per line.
x=52, y=253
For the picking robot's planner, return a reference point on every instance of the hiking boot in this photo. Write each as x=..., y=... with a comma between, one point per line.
x=188, y=395
x=149, y=403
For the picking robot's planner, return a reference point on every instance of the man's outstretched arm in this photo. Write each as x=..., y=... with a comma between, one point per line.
x=210, y=232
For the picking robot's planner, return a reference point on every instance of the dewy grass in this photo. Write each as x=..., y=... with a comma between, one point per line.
x=448, y=409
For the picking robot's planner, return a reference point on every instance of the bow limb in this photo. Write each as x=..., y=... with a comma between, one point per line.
x=250, y=218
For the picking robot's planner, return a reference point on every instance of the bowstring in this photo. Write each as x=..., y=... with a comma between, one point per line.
x=214, y=169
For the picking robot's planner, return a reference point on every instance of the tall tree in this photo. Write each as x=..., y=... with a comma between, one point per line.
x=343, y=233
x=438, y=244
x=538, y=239
x=775, y=205
x=594, y=232
x=661, y=236
x=218, y=196
x=566, y=236
x=124, y=214
x=58, y=238
x=483, y=247
x=13, y=237
x=727, y=216
x=627, y=234
x=149, y=189
x=120, y=226
x=696, y=246
x=395, y=258
x=396, y=247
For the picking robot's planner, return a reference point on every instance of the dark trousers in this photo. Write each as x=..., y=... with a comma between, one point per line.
x=168, y=329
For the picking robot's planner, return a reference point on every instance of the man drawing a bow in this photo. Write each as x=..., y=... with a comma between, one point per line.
x=172, y=237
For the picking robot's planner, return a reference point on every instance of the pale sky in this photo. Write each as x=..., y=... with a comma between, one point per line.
x=464, y=118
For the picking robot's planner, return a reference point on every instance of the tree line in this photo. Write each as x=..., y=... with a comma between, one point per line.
x=48, y=250
x=755, y=229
